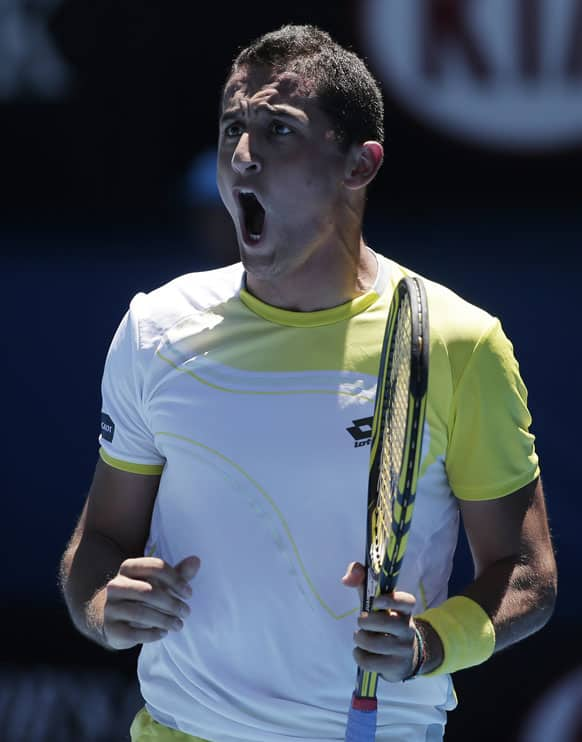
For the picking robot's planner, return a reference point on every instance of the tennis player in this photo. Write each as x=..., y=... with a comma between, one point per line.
x=231, y=485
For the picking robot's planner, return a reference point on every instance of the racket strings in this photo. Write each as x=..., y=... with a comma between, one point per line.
x=394, y=438
x=399, y=414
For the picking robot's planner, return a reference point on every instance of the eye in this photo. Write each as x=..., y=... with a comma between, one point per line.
x=281, y=129
x=232, y=131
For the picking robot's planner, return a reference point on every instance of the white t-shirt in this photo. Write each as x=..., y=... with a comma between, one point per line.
x=259, y=421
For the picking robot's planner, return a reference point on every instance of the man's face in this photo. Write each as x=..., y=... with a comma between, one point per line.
x=280, y=170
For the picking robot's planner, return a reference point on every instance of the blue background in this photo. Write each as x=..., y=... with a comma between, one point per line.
x=109, y=192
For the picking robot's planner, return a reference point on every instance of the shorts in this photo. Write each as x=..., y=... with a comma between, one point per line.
x=145, y=729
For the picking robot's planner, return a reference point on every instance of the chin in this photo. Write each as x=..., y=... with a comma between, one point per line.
x=261, y=264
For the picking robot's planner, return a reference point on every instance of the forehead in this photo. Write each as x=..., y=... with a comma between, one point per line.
x=255, y=85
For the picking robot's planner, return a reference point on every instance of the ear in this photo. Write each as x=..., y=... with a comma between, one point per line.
x=363, y=162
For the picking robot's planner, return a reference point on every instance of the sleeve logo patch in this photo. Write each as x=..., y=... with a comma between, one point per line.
x=107, y=427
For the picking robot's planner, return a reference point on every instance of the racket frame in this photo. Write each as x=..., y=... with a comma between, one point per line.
x=385, y=581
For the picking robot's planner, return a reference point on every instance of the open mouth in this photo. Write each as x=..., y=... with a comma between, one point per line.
x=253, y=215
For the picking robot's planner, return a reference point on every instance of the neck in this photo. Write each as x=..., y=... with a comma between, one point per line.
x=322, y=282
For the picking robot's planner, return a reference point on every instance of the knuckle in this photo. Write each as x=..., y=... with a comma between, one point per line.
x=126, y=566
x=381, y=622
x=108, y=612
x=155, y=635
x=363, y=659
x=403, y=649
x=174, y=623
x=137, y=612
x=110, y=587
x=166, y=622
x=161, y=598
x=117, y=579
x=367, y=638
x=143, y=589
x=156, y=564
x=176, y=606
x=359, y=658
x=113, y=631
x=366, y=641
x=377, y=643
x=182, y=609
x=112, y=590
x=184, y=588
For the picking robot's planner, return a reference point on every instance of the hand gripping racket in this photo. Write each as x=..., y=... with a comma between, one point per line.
x=395, y=453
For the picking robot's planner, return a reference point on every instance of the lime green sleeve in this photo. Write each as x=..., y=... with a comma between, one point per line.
x=491, y=450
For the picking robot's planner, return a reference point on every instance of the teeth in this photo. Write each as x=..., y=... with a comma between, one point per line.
x=255, y=237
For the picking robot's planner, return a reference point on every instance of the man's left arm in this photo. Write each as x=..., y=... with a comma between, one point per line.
x=514, y=591
x=515, y=583
x=515, y=569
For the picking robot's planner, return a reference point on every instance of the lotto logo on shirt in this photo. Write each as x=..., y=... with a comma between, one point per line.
x=107, y=427
x=361, y=431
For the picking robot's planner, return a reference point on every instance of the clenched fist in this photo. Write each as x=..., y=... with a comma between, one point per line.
x=386, y=642
x=146, y=599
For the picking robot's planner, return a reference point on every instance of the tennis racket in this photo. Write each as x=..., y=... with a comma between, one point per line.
x=395, y=454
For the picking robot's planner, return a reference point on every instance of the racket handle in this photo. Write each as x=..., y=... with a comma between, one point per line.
x=362, y=720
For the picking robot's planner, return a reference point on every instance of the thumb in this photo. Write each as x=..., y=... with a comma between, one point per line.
x=188, y=567
x=355, y=575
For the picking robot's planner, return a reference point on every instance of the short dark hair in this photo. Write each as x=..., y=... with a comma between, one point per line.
x=348, y=93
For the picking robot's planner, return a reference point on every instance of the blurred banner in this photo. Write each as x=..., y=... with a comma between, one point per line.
x=31, y=67
x=104, y=106
x=502, y=73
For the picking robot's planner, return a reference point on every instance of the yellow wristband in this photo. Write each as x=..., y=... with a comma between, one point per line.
x=466, y=631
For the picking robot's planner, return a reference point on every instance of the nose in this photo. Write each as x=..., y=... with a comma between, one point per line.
x=244, y=161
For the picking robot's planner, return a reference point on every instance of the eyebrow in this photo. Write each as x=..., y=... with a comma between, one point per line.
x=265, y=109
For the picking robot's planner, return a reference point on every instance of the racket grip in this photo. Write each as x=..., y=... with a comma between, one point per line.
x=361, y=725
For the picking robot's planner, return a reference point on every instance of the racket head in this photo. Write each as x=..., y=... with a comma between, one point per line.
x=395, y=455
x=397, y=429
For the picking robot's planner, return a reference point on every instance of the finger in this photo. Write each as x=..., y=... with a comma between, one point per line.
x=123, y=589
x=355, y=575
x=188, y=567
x=397, y=601
x=143, y=616
x=382, y=644
x=152, y=568
x=386, y=622
x=381, y=664
x=122, y=635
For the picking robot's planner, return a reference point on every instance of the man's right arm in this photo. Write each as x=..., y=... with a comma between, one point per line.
x=115, y=595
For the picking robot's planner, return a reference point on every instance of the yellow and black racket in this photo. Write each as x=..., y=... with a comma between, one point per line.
x=395, y=454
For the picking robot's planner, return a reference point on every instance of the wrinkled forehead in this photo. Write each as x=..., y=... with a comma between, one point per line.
x=265, y=84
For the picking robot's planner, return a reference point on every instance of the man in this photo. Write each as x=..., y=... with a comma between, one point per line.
x=232, y=400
